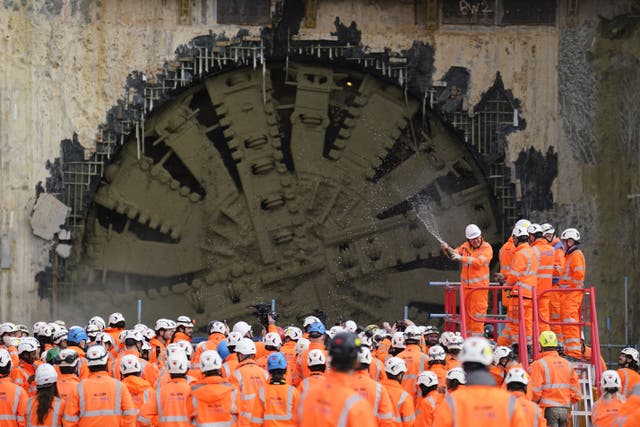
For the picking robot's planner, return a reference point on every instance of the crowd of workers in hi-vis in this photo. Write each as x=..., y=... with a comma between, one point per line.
x=105, y=375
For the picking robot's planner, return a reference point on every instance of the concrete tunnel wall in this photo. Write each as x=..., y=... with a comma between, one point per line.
x=64, y=64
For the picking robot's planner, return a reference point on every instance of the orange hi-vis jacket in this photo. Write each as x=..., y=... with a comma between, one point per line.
x=230, y=365
x=416, y=362
x=498, y=373
x=441, y=372
x=304, y=357
x=376, y=395
x=83, y=368
x=628, y=379
x=479, y=406
x=149, y=371
x=606, y=409
x=451, y=362
x=574, y=270
x=475, y=264
x=382, y=350
x=216, y=402
x=523, y=271
x=180, y=336
x=554, y=382
x=546, y=259
x=276, y=406
x=308, y=382
x=558, y=259
x=164, y=377
x=426, y=408
x=293, y=369
x=67, y=384
x=505, y=255
x=13, y=404
x=249, y=378
x=629, y=412
x=100, y=401
x=210, y=344
x=171, y=403
x=532, y=412
x=376, y=370
x=405, y=410
x=158, y=352
x=115, y=334
x=53, y=418
x=139, y=389
x=333, y=402
x=24, y=376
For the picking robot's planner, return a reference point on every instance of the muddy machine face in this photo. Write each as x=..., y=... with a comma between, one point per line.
x=299, y=184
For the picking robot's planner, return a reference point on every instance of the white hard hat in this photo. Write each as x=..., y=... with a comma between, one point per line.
x=412, y=332
x=5, y=358
x=166, y=324
x=115, y=318
x=233, y=339
x=570, y=233
x=547, y=229
x=182, y=345
x=131, y=334
x=457, y=374
x=242, y=327
x=534, y=228
x=177, y=363
x=436, y=352
x=45, y=375
x=472, y=231
x=293, y=333
x=97, y=356
x=28, y=344
x=60, y=323
x=522, y=223
x=500, y=352
x=145, y=346
x=7, y=328
x=46, y=331
x=397, y=341
x=430, y=329
x=104, y=338
x=476, y=349
x=91, y=330
x=455, y=343
x=445, y=337
x=210, y=360
x=184, y=321
x=517, y=375
x=520, y=232
x=302, y=345
x=246, y=347
x=98, y=321
x=130, y=364
x=364, y=356
x=69, y=357
x=309, y=320
x=316, y=357
x=427, y=379
x=272, y=339
x=217, y=327
x=351, y=326
x=631, y=352
x=395, y=365
x=365, y=340
x=611, y=379
x=37, y=327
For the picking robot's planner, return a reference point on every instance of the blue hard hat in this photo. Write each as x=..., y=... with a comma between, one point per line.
x=276, y=361
x=317, y=327
x=223, y=350
x=76, y=335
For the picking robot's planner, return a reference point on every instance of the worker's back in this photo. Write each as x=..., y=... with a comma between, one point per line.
x=376, y=395
x=13, y=403
x=215, y=401
x=606, y=409
x=554, y=382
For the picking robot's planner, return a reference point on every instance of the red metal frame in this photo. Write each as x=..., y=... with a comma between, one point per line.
x=591, y=321
x=452, y=301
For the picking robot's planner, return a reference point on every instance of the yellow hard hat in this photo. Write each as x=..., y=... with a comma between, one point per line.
x=548, y=339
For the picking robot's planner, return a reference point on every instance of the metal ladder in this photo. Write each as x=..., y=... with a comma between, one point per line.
x=581, y=411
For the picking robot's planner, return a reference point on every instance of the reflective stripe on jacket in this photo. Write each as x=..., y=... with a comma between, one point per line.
x=554, y=382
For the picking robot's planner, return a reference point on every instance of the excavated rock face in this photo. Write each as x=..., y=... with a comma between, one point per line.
x=300, y=184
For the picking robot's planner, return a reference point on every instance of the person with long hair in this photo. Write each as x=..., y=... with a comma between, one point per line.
x=45, y=409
